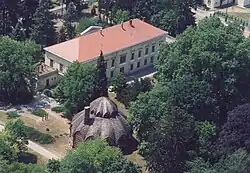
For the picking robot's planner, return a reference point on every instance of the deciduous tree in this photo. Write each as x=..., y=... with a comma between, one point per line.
x=94, y=156
x=17, y=72
x=76, y=89
x=215, y=54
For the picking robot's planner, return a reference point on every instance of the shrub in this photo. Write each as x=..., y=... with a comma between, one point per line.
x=58, y=109
x=39, y=112
x=38, y=136
x=12, y=114
x=47, y=92
x=46, y=139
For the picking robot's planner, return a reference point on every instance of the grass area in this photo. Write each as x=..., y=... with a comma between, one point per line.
x=3, y=116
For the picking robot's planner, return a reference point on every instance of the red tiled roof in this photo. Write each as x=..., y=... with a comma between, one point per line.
x=86, y=47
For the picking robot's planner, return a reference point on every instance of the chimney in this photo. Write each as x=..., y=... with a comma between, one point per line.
x=122, y=25
x=101, y=32
x=131, y=22
x=87, y=113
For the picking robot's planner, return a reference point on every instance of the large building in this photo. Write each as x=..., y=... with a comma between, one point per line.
x=220, y=3
x=127, y=47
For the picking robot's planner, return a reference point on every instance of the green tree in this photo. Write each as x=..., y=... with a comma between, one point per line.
x=166, y=132
x=237, y=162
x=118, y=82
x=101, y=78
x=62, y=35
x=215, y=54
x=94, y=156
x=235, y=132
x=119, y=16
x=43, y=30
x=17, y=130
x=17, y=72
x=6, y=167
x=69, y=30
x=70, y=14
x=76, y=89
x=84, y=23
x=9, y=149
x=53, y=166
x=18, y=33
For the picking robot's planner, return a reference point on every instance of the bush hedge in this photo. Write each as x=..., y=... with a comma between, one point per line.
x=12, y=114
x=39, y=112
x=38, y=136
x=47, y=92
x=58, y=109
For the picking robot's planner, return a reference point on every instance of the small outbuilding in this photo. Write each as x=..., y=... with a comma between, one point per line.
x=101, y=119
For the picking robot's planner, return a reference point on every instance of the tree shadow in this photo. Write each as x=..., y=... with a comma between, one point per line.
x=26, y=157
x=132, y=145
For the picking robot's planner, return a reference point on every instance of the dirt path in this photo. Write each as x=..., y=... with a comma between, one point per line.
x=37, y=148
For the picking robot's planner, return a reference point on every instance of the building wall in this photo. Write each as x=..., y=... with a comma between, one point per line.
x=57, y=62
x=243, y=3
x=52, y=77
x=216, y=3
x=116, y=56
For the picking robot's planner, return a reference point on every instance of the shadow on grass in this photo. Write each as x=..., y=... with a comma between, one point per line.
x=26, y=157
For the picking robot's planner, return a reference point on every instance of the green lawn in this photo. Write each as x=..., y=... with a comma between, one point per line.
x=3, y=116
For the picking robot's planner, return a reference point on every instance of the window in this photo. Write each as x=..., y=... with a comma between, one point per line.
x=146, y=51
x=122, y=59
x=132, y=56
x=131, y=67
x=54, y=78
x=139, y=53
x=113, y=63
x=145, y=62
x=51, y=62
x=61, y=67
x=122, y=69
x=151, y=59
x=138, y=64
x=153, y=48
x=112, y=74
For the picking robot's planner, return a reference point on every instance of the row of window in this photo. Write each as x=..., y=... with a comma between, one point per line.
x=132, y=66
x=52, y=65
x=123, y=57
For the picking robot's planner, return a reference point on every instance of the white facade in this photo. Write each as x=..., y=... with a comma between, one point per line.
x=216, y=3
x=127, y=60
x=243, y=3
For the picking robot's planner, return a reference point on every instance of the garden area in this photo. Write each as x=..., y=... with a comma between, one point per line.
x=52, y=133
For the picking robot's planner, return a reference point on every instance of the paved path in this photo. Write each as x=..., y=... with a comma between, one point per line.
x=37, y=148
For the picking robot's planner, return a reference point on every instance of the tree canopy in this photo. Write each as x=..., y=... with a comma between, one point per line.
x=202, y=75
x=76, y=89
x=43, y=30
x=94, y=156
x=17, y=72
x=215, y=54
x=235, y=133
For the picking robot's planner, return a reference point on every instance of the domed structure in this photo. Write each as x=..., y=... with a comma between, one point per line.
x=101, y=119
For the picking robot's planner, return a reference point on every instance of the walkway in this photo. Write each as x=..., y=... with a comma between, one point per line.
x=37, y=148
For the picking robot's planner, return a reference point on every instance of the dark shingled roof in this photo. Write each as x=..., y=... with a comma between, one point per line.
x=104, y=121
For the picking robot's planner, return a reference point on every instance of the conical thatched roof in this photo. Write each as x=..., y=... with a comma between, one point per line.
x=104, y=121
